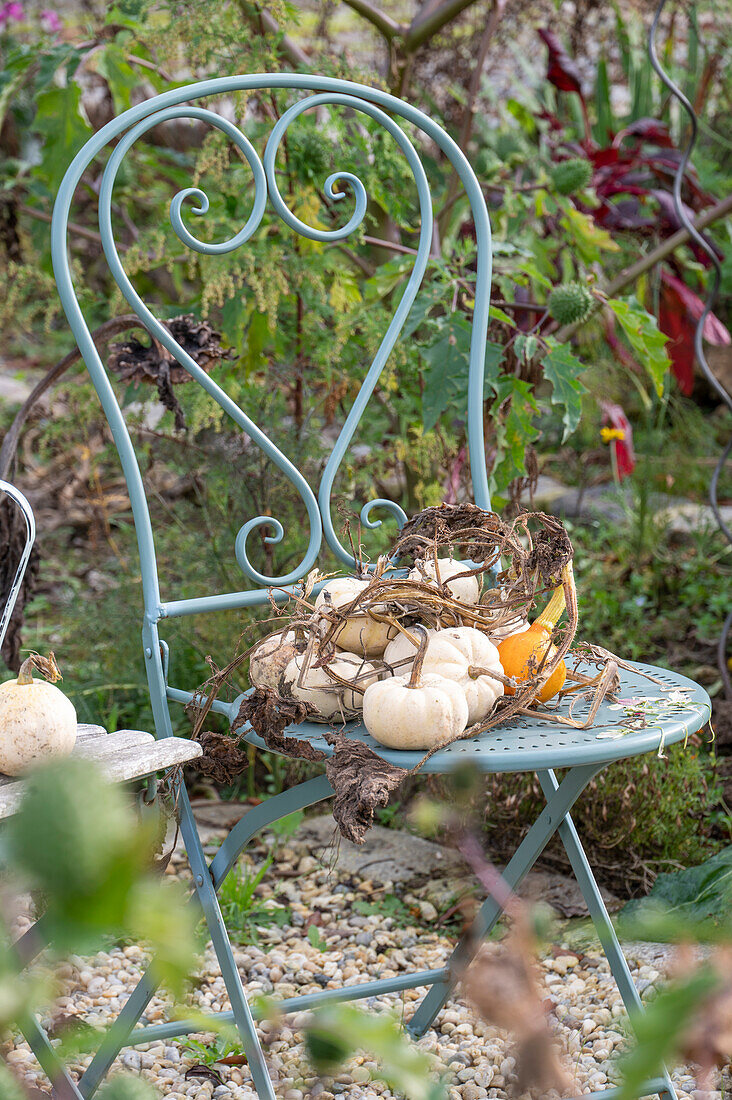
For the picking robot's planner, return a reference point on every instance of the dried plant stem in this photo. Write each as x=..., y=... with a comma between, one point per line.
x=475, y=671
x=45, y=665
x=415, y=678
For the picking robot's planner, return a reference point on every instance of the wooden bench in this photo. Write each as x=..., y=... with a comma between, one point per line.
x=121, y=757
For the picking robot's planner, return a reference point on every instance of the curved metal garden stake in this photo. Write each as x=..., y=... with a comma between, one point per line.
x=30, y=538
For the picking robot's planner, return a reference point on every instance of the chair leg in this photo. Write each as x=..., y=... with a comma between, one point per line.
x=600, y=916
x=222, y=946
x=206, y=882
x=490, y=911
x=62, y=1084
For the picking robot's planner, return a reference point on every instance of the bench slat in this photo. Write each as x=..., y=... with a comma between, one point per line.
x=120, y=756
x=97, y=748
x=85, y=732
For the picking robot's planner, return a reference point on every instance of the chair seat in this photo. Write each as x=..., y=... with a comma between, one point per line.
x=120, y=756
x=648, y=717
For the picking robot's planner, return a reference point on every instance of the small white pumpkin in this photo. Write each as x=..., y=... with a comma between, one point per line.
x=37, y=721
x=419, y=711
x=466, y=589
x=400, y=652
x=360, y=633
x=458, y=654
x=271, y=657
x=318, y=687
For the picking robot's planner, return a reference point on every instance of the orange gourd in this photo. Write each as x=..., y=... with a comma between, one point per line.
x=521, y=654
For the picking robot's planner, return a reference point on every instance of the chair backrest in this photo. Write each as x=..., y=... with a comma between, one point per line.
x=183, y=103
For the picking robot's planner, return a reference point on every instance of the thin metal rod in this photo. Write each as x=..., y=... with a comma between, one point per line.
x=156, y=1032
x=30, y=537
x=62, y=1083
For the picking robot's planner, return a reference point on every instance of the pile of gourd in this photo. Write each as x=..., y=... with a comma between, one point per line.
x=421, y=658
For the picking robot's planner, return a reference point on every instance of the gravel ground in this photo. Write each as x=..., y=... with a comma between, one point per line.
x=586, y=1012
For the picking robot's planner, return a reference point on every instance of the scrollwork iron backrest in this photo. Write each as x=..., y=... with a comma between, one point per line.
x=179, y=103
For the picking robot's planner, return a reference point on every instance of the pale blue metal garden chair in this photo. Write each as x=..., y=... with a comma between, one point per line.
x=522, y=745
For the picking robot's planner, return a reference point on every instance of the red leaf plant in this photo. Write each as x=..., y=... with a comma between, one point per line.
x=618, y=432
x=633, y=175
x=679, y=311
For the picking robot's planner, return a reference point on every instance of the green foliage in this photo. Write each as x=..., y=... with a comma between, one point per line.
x=562, y=369
x=90, y=827
x=389, y=906
x=316, y=939
x=306, y=318
x=339, y=1031
x=695, y=895
x=9, y=1087
x=243, y=910
x=77, y=841
x=570, y=303
x=656, y=812
x=644, y=337
x=59, y=122
x=210, y=1053
x=635, y=594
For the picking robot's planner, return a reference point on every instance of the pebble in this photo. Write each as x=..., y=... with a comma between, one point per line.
x=475, y=1058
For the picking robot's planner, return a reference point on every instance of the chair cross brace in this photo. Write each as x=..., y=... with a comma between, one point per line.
x=207, y=879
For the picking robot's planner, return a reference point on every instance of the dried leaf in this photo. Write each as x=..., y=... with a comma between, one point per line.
x=222, y=758
x=362, y=782
x=269, y=714
x=205, y=1073
x=134, y=361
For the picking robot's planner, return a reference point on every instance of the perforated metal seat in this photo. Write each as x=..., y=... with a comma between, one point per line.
x=651, y=716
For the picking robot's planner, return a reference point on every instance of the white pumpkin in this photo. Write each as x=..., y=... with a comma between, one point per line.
x=453, y=653
x=360, y=633
x=402, y=649
x=418, y=711
x=401, y=716
x=37, y=721
x=331, y=699
x=466, y=589
x=271, y=657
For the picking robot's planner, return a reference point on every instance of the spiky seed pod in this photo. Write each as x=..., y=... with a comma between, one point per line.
x=571, y=175
x=570, y=302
